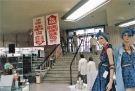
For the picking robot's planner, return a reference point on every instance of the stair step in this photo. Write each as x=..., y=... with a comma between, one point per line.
x=60, y=82
x=63, y=63
x=59, y=79
x=60, y=75
x=62, y=72
x=64, y=69
x=67, y=60
x=63, y=66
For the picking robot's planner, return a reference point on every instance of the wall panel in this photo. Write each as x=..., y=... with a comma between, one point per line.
x=19, y=39
x=24, y=40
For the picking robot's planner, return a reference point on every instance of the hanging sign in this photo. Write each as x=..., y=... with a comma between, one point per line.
x=52, y=27
x=39, y=31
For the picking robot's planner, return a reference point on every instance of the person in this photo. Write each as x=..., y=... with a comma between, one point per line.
x=15, y=78
x=8, y=67
x=2, y=62
x=91, y=73
x=75, y=42
x=104, y=79
x=0, y=65
x=63, y=45
x=124, y=57
x=82, y=68
x=93, y=43
x=52, y=60
x=1, y=69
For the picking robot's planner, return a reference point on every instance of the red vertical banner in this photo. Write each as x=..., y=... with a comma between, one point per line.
x=39, y=31
x=52, y=27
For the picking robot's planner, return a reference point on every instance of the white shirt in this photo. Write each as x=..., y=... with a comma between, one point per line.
x=93, y=41
x=75, y=38
x=91, y=74
x=91, y=66
x=82, y=66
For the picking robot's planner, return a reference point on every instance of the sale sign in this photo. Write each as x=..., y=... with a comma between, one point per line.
x=52, y=27
x=39, y=31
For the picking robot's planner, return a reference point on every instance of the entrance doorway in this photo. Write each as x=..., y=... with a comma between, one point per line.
x=84, y=34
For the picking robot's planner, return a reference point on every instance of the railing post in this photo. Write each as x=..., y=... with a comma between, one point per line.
x=72, y=62
x=48, y=56
x=56, y=54
x=70, y=75
x=75, y=62
x=40, y=69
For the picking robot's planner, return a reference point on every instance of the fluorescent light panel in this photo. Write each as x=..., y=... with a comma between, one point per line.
x=126, y=23
x=129, y=23
x=88, y=7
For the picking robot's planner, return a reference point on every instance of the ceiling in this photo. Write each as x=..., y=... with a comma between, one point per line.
x=16, y=16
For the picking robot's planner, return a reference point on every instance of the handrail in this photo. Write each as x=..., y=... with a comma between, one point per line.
x=48, y=56
x=72, y=62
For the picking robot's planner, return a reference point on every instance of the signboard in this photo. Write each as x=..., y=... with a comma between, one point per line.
x=39, y=31
x=52, y=27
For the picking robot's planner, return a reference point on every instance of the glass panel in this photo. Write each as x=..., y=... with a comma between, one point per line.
x=84, y=34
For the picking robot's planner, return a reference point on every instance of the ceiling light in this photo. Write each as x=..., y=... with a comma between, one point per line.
x=83, y=8
x=126, y=23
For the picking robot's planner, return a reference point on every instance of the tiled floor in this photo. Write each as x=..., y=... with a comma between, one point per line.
x=46, y=87
x=49, y=87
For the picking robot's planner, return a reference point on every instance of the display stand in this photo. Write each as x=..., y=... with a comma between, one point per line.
x=6, y=82
x=26, y=64
x=73, y=88
x=17, y=62
x=25, y=60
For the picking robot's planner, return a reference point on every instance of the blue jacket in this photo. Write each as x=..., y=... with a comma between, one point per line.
x=118, y=50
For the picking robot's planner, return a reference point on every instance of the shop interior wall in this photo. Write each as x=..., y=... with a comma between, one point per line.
x=25, y=40
x=19, y=39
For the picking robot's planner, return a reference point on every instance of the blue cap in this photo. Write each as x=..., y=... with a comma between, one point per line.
x=129, y=31
x=102, y=34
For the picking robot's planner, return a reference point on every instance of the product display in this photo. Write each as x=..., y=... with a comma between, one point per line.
x=26, y=65
x=79, y=84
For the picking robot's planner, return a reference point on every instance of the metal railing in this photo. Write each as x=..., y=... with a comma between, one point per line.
x=73, y=61
x=48, y=56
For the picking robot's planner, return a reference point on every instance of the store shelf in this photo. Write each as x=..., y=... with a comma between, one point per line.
x=17, y=64
x=36, y=62
x=26, y=64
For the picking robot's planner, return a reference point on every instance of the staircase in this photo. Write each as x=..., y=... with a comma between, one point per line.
x=60, y=72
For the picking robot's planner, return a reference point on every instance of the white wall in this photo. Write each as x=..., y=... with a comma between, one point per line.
x=23, y=40
x=19, y=39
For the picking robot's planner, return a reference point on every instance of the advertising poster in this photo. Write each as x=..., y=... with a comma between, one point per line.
x=39, y=31
x=52, y=28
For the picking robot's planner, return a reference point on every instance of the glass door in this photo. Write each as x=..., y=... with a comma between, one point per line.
x=84, y=34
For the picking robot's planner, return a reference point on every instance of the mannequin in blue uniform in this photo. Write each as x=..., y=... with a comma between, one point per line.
x=104, y=79
x=124, y=57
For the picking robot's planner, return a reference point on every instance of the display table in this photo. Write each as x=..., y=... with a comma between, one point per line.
x=6, y=82
x=72, y=88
